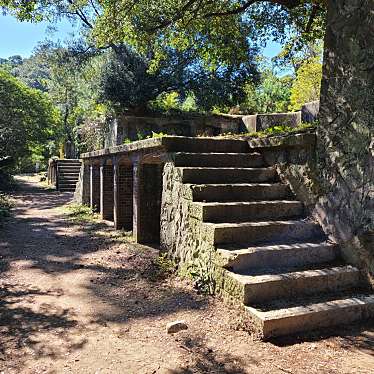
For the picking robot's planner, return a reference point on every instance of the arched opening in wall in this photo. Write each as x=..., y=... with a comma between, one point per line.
x=149, y=202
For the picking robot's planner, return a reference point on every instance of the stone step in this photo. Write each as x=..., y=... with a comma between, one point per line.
x=67, y=184
x=69, y=160
x=311, y=314
x=240, y=192
x=222, y=175
x=243, y=160
x=68, y=169
x=69, y=166
x=196, y=145
x=68, y=177
x=67, y=180
x=247, y=211
x=67, y=189
x=294, y=254
x=264, y=232
x=289, y=284
x=69, y=163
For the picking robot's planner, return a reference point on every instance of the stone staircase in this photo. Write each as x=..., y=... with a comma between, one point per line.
x=277, y=261
x=67, y=174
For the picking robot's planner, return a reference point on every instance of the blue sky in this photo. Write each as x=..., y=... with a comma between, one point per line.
x=20, y=38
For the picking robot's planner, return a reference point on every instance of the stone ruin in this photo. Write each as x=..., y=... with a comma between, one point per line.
x=240, y=216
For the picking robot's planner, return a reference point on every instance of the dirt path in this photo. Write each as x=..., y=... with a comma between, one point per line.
x=76, y=299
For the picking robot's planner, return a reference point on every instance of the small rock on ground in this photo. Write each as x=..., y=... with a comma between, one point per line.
x=176, y=326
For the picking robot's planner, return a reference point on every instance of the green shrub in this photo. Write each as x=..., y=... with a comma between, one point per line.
x=5, y=206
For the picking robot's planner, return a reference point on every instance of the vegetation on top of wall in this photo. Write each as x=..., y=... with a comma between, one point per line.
x=141, y=136
x=277, y=130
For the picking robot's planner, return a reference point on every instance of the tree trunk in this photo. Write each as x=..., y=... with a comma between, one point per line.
x=345, y=135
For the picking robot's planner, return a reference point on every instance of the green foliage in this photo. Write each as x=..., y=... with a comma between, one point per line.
x=125, y=80
x=180, y=82
x=5, y=207
x=28, y=120
x=141, y=136
x=33, y=71
x=158, y=134
x=293, y=55
x=162, y=267
x=306, y=87
x=272, y=95
x=170, y=100
x=200, y=274
x=282, y=130
x=220, y=31
x=189, y=104
x=79, y=213
x=164, y=55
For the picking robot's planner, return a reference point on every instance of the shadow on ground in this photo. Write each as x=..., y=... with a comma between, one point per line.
x=206, y=360
x=129, y=280
x=352, y=337
x=124, y=276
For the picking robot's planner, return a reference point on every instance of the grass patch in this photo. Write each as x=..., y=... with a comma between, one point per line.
x=83, y=214
x=117, y=236
x=79, y=213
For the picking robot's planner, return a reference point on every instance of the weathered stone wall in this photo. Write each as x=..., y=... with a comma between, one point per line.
x=298, y=163
x=346, y=132
x=339, y=175
x=185, y=238
x=310, y=111
x=131, y=127
x=260, y=122
x=82, y=190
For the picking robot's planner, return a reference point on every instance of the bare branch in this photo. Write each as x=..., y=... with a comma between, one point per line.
x=94, y=8
x=312, y=16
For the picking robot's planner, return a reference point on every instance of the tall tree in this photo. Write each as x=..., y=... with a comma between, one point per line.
x=28, y=120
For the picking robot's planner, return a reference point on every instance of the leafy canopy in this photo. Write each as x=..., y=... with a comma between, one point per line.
x=28, y=119
x=307, y=85
x=272, y=95
x=221, y=31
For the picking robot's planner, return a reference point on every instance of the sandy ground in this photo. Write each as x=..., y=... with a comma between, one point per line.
x=76, y=299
